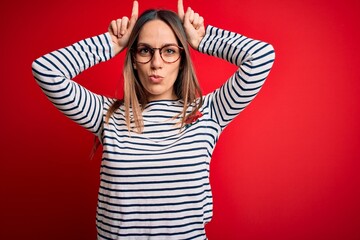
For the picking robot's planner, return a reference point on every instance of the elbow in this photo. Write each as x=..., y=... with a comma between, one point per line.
x=271, y=50
x=268, y=55
x=272, y=55
x=34, y=68
x=37, y=70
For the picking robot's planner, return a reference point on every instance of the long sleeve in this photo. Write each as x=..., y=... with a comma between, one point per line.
x=54, y=73
x=254, y=59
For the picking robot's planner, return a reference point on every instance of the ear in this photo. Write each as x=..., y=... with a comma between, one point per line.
x=134, y=66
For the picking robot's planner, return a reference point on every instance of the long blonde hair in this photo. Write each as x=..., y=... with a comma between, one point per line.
x=186, y=86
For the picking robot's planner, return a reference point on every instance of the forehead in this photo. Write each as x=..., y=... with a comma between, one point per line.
x=156, y=33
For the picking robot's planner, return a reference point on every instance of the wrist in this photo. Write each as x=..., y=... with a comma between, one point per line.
x=117, y=49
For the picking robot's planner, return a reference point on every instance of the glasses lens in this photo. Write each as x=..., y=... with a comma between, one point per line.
x=170, y=53
x=143, y=54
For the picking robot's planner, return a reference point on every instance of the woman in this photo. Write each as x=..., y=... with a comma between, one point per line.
x=157, y=141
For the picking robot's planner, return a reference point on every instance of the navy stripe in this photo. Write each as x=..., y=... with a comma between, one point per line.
x=89, y=52
x=108, y=45
x=176, y=196
x=75, y=60
x=149, y=219
x=79, y=55
x=157, y=212
x=53, y=64
x=103, y=48
x=61, y=62
x=154, y=174
x=150, y=154
x=181, y=158
x=156, y=182
x=150, y=227
x=86, y=54
x=96, y=49
x=154, y=204
x=151, y=234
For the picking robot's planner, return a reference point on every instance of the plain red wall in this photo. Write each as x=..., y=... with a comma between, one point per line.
x=287, y=168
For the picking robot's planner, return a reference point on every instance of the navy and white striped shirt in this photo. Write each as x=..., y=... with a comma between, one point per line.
x=155, y=185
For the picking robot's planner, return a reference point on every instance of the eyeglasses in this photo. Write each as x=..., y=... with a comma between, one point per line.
x=169, y=53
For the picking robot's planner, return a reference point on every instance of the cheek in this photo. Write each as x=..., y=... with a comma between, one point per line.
x=174, y=72
x=141, y=72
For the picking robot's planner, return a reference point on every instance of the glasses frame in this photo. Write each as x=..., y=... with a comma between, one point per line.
x=152, y=52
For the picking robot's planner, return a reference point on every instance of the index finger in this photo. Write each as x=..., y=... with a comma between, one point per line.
x=135, y=9
x=181, y=11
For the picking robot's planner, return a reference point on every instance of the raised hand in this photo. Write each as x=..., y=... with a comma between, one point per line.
x=193, y=24
x=121, y=28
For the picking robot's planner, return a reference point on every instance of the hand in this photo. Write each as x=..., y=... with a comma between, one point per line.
x=193, y=24
x=121, y=29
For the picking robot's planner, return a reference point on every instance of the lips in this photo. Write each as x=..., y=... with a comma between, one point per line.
x=155, y=78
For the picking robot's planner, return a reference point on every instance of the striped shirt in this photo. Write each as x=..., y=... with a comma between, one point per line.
x=155, y=185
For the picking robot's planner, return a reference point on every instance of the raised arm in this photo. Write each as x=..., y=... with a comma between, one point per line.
x=54, y=72
x=254, y=59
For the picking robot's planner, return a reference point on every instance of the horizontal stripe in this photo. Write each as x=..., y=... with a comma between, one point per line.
x=156, y=167
x=155, y=189
x=151, y=234
x=150, y=227
x=154, y=213
x=153, y=174
x=129, y=220
x=192, y=194
x=153, y=204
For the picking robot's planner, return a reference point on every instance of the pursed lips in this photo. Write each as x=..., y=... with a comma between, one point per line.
x=155, y=78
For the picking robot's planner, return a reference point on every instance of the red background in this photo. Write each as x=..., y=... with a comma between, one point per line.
x=287, y=168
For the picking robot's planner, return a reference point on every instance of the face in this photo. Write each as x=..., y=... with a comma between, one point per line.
x=157, y=76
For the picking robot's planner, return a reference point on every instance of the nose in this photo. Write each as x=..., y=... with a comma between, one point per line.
x=156, y=61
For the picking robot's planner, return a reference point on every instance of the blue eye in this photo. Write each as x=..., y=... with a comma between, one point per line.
x=170, y=51
x=144, y=51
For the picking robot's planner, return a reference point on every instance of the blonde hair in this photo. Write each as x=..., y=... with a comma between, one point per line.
x=186, y=86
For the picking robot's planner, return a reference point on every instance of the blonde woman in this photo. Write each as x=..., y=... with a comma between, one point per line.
x=157, y=140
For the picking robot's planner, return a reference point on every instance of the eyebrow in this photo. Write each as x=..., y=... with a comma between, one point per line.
x=164, y=45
